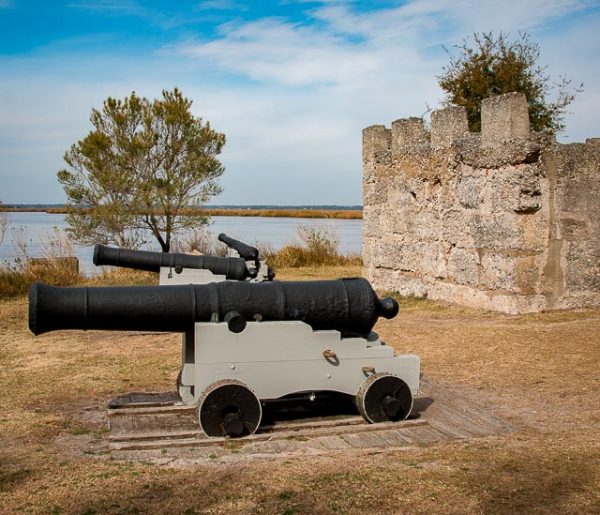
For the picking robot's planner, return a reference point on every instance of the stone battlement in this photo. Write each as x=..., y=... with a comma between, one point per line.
x=505, y=134
x=505, y=219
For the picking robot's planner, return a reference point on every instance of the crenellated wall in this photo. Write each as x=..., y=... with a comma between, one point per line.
x=505, y=219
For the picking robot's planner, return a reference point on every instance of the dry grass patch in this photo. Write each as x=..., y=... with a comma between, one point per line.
x=539, y=370
x=344, y=214
x=122, y=277
x=16, y=281
x=318, y=273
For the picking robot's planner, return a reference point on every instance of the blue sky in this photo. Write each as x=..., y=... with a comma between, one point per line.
x=291, y=83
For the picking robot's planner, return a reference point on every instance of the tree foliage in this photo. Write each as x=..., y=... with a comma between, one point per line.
x=495, y=65
x=144, y=169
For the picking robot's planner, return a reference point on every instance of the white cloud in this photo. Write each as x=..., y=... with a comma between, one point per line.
x=274, y=50
x=431, y=20
x=345, y=47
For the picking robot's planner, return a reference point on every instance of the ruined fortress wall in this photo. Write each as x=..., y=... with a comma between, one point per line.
x=505, y=219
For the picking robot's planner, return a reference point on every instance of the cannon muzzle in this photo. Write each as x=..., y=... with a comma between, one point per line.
x=231, y=268
x=349, y=306
x=243, y=249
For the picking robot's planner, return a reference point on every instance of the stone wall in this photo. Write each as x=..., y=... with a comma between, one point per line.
x=505, y=219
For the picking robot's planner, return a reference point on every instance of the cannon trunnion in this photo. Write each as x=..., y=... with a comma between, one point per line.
x=245, y=344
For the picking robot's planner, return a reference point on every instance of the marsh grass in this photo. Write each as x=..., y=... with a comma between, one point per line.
x=201, y=241
x=344, y=214
x=317, y=245
x=57, y=266
x=4, y=221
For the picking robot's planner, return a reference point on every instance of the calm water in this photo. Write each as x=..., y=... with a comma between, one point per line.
x=37, y=227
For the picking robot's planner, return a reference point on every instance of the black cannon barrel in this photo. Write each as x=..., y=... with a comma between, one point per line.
x=243, y=249
x=346, y=305
x=231, y=268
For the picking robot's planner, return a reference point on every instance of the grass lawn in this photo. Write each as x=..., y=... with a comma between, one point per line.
x=541, y=372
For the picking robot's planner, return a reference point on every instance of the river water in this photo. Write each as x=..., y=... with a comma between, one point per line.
x=34, y=228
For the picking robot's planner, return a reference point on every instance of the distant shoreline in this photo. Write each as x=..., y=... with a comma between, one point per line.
x=338, y=212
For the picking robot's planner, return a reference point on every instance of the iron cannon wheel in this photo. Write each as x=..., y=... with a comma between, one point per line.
x=229, y=408
x=384, y=398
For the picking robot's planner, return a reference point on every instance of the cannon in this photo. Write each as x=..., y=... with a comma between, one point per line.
x=246, y=344
x=178, y=268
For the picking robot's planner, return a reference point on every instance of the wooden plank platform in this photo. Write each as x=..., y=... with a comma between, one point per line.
x=156, y=423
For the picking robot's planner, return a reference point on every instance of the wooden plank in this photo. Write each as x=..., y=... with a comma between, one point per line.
x=465, y=414
x=201, y=441
x=459, y=419
x=395, y=438
x=418, y=435
x=331, y=443
x=133, y=437
x=456, y=401
x=448, y=416
x=451, y=430
x=153, y=444
x=358, y=441
x=299, y=426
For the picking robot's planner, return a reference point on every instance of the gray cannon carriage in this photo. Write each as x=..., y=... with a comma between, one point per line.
x=245, y=344
x=243, y=264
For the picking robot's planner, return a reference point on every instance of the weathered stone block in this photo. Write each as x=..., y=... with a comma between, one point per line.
x=453, y=228
x=470, y=191
x=376, y=139
x=577, y=169
x=572, y=228
x=375, y=192
x=401, y=195
x=497, y=231
x=498, y=272
x=463, y=267
x=527, y=274
x=518, y=189
x=504, y=118
x=400, y=282
x=423, y=225
x=409, y=136
x=432, y=260
x=583, y=272
x=514, y=152
x=528, y=188
x=373, y=217
x=447, y=126
x=394, y=256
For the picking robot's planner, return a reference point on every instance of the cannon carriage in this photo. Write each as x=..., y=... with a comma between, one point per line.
x=246, y=344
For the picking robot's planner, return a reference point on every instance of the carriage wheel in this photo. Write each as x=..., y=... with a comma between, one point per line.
x=229, y=408
x=384, y=398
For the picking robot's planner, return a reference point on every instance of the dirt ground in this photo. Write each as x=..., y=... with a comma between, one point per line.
x=541, y=372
